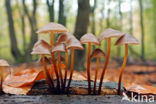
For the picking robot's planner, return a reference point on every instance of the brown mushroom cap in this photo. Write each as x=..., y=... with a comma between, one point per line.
x=89, y=38
x=73, y=43
x=3, y=62
x=63, y=38
x=41, y=47
x=97, y=53
x=108, y=33
x=47, y=60
x=127, y=39
x=55, y=27
x=58, y=47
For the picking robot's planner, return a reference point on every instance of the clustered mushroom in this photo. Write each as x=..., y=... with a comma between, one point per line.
x=67, y=42
x=3, y=63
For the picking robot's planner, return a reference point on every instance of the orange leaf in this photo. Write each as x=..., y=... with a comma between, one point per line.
x=141, y=89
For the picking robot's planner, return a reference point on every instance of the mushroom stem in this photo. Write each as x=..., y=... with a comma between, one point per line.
x=55, y=69
x=88, y=68
x=66, y=69
x=122, y=68
x=52, y=39
x=96, y=72
x=71, y=68
x=59, y=68
x=1, y=69
x=105, y=65
x=48, y=79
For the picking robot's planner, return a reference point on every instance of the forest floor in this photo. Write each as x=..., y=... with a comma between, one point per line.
x=138, y=74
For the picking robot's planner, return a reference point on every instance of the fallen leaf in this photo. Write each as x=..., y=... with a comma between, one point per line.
x=141, y=89
x=23, y=78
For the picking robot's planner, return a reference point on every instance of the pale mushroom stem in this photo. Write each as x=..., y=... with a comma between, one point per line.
x=88, y=68
x=56, y=72
x=96, y=72
x=71, y=69
x=49, y=81
x=1, y=69
x=59, y=68
x=66, y=69
x=105, y=65
x=122, y=68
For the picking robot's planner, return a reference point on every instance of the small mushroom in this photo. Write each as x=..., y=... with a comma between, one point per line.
x=89, y=39
x=3, y=63
x=97, y=53
x=52, y=28
x=59, y=47
x=63, y=38
x=43, y=48
x=125, y=40
x=107, y=34
x=72, y=44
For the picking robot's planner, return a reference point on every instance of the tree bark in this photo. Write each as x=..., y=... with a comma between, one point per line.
x=120, y=25
x=102, y=16
x=93, y=29
x=142, y=31
x=82, y=22
x=61, y=18
x=131, y=17
x=13, y=41
x=50, y=6
x=33, y=25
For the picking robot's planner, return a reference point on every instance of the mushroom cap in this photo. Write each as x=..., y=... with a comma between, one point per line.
x=3, y=62
x=47, y=60
x=127, y=39
x=58, y=47
x=89, y=38
x=109, y=33
x=63, y=38
x=55, y=27
x=41, y=47
x=97, y=53
x=73, y=43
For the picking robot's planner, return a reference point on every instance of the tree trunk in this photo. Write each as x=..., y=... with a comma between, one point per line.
x=82, y=22
x=13, y=42
x=61, y=18
x=120, y=25
x=21, y=13
x=154, y=21
x=102, y=16
x=142, y=30
x=50, y=6
x=93, y=29
x=131, y=17
x=33, y=25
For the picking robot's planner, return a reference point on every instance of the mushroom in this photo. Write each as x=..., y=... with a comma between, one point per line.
x=72, y=44
x=89, y=39
x=43, y=48
x=125, y=40
x=63, y=38
x=107, y=34
x=97, y=53
x=59, y=47
x=3, y=63
x=52, y=28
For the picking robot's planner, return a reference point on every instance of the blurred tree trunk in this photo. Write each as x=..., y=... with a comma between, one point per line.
x=81, y=26
x=33, y=25
x=120, y=25
x=142, y=30
x=131, y=17
x=50, y=5
x=102, y=16
x=13, y=42
x=154, y=21
x=22, y=15
x=61, y=18
x=93, y=17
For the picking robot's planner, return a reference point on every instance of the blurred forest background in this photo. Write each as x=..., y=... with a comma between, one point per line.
x=20, y=19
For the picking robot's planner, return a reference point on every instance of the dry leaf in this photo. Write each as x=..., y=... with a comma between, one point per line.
x=141, y=89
